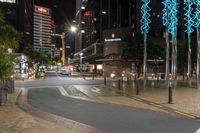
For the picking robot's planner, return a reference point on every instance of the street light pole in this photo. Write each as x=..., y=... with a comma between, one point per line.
x=81, y=61
x=63, y=48
x=73, y=29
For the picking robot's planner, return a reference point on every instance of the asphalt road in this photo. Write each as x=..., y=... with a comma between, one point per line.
x=55, y=79
x=111, y=118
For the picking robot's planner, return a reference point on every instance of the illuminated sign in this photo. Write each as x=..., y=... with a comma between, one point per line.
x=113, y=40
x=8, y=1
x=88, y=14
x=41, y=10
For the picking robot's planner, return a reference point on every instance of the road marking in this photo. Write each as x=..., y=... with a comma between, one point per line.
x=184, y=114
x=198, y=131
x=95, y=89
x=42, y=87
x=59, y=76
x=62, y=91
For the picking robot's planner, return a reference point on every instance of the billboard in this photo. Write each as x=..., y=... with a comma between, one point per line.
x=42, y=10
x=8, y=1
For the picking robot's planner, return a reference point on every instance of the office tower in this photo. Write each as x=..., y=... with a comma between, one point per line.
x=42, y=29
x=25, y=22
x=8, y=8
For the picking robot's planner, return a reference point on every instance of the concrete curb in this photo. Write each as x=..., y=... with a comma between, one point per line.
x=67, y=123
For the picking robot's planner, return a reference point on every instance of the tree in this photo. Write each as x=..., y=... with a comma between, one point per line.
x=8, y=39
x=133, y=50
x=37, y=56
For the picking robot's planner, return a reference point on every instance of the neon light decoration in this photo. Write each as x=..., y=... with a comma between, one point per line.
x=172, y=15
x=189, y=16
x=197, y=13
x=165, y=11
x=145, y=17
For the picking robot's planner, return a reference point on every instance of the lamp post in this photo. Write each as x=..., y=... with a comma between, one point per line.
x=81, y=61
x=73, y=29
x=63, y=48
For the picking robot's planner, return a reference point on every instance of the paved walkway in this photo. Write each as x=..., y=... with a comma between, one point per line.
x=185, y=99
x=15, y=120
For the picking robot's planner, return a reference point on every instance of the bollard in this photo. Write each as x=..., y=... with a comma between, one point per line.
x=170, y=93
x=127, y=80
x=104, y=80
x=93, y=76
x=136, y=86
x=13, y=89
x=119, y=84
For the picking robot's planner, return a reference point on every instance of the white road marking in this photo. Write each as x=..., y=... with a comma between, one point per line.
x=42, y=87
x=59, y=76
x=62, y=91
x=198, y=131
x=95, y=89
x=60, y=88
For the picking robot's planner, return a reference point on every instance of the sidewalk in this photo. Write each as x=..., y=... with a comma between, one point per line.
x=185, y=99
x=14, y=120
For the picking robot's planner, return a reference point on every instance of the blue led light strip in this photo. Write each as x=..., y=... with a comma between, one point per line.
x=165, y=11
x=189, y=16
x=197, y=13
x=173, y=20
x=145, y=21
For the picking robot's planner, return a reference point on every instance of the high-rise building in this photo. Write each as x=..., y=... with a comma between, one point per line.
x=25, y=22
x=19, y=13
x=42, y=37
x=8, y=8
x=95, y=16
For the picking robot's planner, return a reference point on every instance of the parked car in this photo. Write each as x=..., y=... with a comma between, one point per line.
x=64, y=71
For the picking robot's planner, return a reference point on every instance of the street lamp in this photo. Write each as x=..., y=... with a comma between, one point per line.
x=73, y=29
x=81, y=61
x=63, y=48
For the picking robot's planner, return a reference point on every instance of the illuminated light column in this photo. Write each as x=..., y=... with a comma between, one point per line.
x=172, y=27
x=197, y=20
x=144, y=30
x=189, y=24
x=166, y=20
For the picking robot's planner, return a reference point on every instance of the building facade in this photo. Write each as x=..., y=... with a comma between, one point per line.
x=42, y=29
x=25, y=22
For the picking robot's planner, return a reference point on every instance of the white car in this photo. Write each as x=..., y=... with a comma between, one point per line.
x=64, y=71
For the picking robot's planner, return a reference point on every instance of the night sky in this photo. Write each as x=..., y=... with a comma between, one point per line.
x=63, y=11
